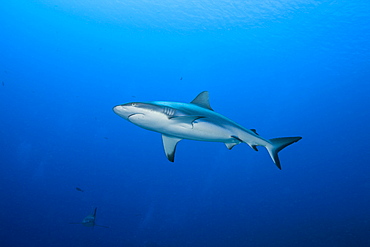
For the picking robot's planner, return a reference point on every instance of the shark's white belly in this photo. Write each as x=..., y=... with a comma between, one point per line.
x=199, y=130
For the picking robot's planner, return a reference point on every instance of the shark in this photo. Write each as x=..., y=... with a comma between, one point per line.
x=90, y=220
x=196, y=121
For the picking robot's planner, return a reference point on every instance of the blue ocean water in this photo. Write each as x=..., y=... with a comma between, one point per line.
x=285, y=68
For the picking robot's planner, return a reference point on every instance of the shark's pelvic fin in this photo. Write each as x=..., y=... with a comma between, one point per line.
x=202, y=100
x=237, y=138
x=278, y=144
x=230, y=145
x=169, y=144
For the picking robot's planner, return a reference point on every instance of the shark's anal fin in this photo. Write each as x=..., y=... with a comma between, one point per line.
x=202, y=100
x=240, y=140
x=169, y=145
x=254, y=147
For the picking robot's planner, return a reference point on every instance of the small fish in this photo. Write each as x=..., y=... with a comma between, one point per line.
x=79, y=189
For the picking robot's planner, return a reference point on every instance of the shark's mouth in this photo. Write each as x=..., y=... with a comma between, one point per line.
x=132, y=116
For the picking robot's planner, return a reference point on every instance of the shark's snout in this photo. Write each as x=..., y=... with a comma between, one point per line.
x=121, y=111
x=116, y=109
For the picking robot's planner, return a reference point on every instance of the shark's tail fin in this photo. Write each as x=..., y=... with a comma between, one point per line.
x=278, y=144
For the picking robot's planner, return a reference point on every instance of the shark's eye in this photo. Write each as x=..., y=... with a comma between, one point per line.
x=133, y=104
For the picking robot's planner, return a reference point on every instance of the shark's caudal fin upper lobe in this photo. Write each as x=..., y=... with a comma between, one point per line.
x=278, y=144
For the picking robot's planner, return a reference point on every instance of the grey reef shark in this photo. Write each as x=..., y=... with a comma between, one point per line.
x=90, y=220
x=196, y=121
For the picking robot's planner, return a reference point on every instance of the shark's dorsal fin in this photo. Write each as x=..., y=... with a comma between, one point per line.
x=169, y=144
x=202, y=100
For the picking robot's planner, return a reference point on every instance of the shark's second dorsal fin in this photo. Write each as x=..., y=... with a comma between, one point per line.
x=255, y=131
x=202, y=100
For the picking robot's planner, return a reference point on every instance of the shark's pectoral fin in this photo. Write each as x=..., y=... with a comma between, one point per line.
x=169, y=144
x=185, y=121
